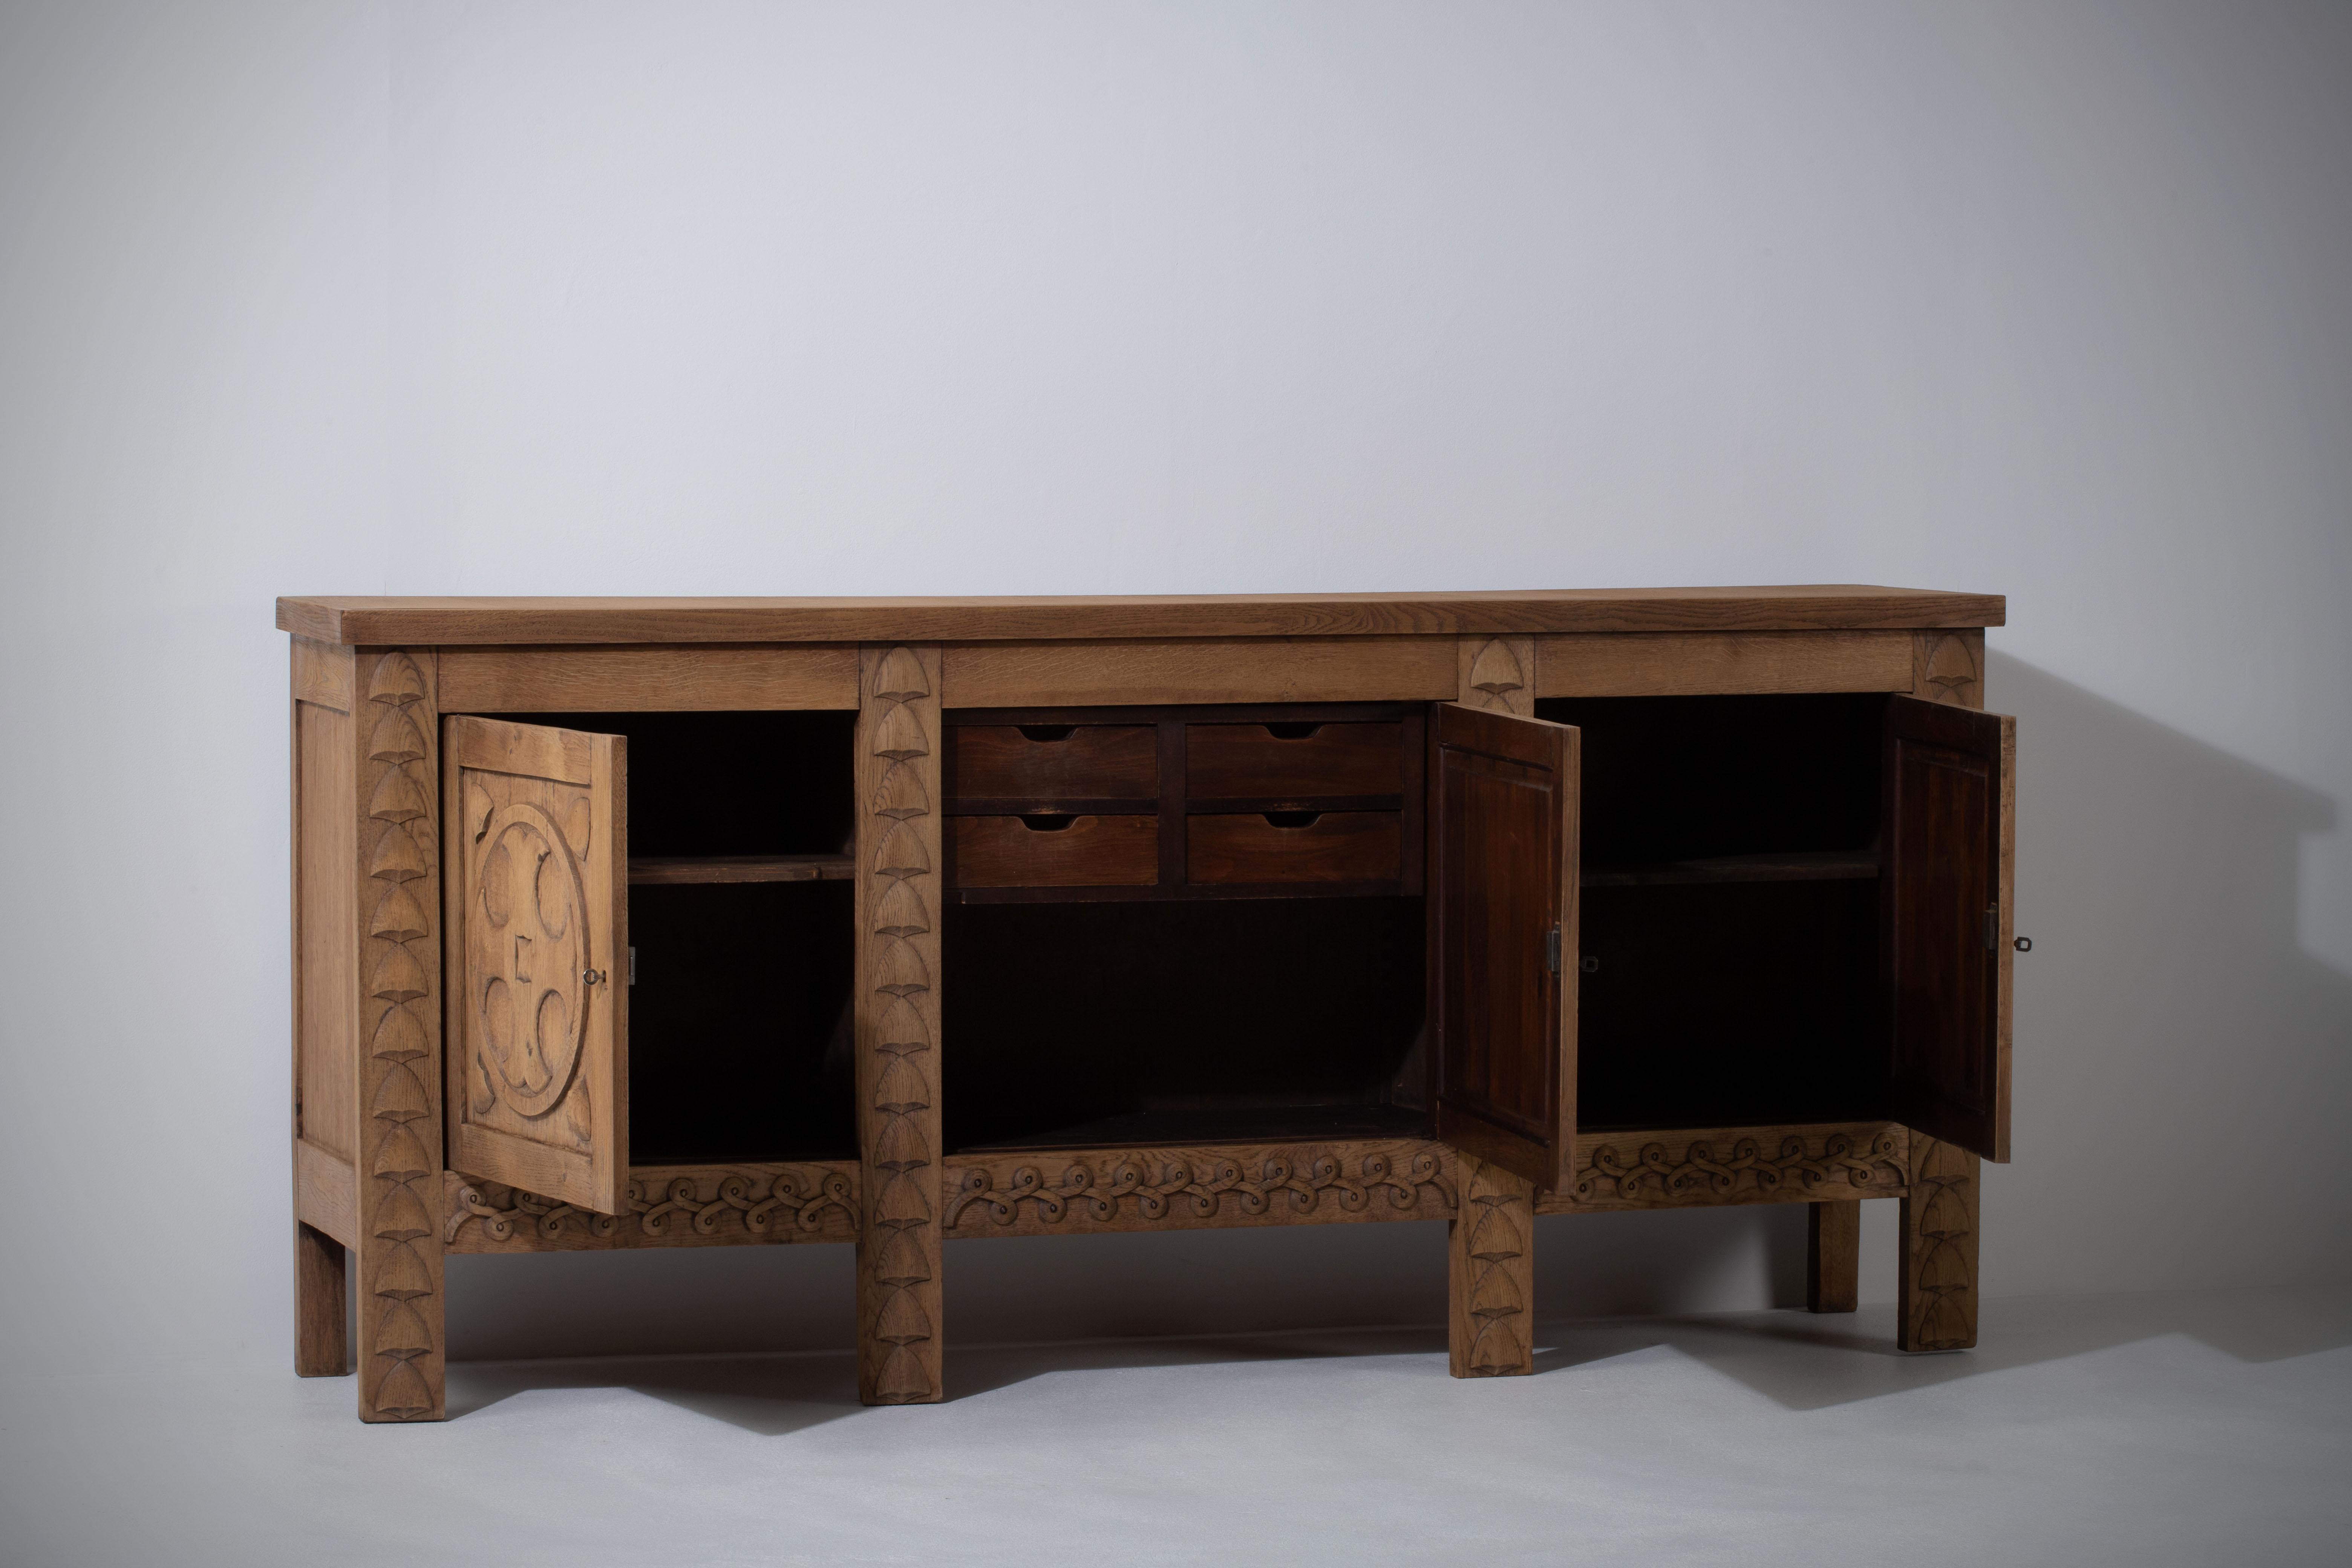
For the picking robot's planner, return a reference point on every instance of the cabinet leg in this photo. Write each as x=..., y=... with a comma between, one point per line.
x=1490, y=1273
x=322, y=1303
x=1833, y=1257
x=1938, y=1304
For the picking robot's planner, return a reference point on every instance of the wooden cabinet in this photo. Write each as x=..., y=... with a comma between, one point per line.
x=719, y=923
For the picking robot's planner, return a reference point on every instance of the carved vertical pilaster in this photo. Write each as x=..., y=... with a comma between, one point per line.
x=400, y=1347
x=898, y=852
x=1938, y=1304
x=1948, y=667
x=1490, y=1273
x=1498, y=674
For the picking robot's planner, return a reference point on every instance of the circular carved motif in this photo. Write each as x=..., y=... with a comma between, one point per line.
x=528, y=948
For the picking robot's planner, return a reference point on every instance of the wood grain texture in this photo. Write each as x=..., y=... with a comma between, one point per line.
x=1084, y=852
x=1690, y=664
x=898, y=1004
x=682, y=870
x=1936, y=1309
x=1947, y=666
x=323, y=674
x=1164, y=672
x=1090, y=762
x=538, y=922
x=401, y=1348
x=646, y=678
x=1490, y=1274
x=321, y=1305
x=542, y=620
x=325, y=1193
x=1334, y=847
x=1292, y=767
x=1681, y=1168
x=1496, y=674
x=325, y=917
x=669, y=1206
x=1833, y=1257
x=1080, y=1192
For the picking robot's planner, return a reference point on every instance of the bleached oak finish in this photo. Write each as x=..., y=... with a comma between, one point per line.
x=447, y=621
x=1129, y=755
x=644, y=680
x=1833, y=1257
x=1175, y=673
x=1689, y=664
x=897, y=1002
x=1490, y=1273
x=401, y=1350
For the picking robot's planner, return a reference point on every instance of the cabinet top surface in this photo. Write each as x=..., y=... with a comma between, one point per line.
x=427, y=621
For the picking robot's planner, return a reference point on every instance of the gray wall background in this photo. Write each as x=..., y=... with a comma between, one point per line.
x=2045, y=300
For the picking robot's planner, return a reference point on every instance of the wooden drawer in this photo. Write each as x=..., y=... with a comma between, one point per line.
x=1048, y=762
x=1326, y=847
x=1057, y=851
x=1271, y=764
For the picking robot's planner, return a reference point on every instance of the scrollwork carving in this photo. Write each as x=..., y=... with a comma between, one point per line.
x=667, y=1207
x=1163, y=1182
x=1656, y=1174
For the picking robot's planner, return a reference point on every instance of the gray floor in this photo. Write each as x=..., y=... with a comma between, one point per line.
x=2154, y=1429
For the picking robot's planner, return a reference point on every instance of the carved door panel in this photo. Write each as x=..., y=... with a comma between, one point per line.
x=537, y=883
x=1503, y=914
x=1947, y=838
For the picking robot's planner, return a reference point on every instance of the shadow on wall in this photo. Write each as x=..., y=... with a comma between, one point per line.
x=2180, y=1073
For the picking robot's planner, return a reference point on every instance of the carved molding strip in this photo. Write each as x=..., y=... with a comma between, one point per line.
x=1144, y=1188
x=400, y=1264
x=682, y=1207
x=899, y=1015
x=1679, y=1170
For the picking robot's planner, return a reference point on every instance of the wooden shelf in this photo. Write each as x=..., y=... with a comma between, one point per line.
x=673, y=871
x=1808, y=865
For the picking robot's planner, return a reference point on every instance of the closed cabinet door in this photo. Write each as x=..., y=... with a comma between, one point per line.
x=1503, y=837
x=537, y=883
x=1947, y=844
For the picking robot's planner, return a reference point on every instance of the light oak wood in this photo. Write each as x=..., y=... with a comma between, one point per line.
x=669, y=1206
x=1176, y=672
x=323, y=674
x=1093, y=1191
x=446, y=621
x=325, y=926
x=1833, y=1257
x=321, y=1305
x=402, y=1346
x=1937, y=1309
x=897, y=1001
x=1490, y=1274
x=538, y=921
x=647, y=679
x=325, y=1193
x=1947, y=667
x=1681, y=664
x=1686, y=1167
x=1496, y=674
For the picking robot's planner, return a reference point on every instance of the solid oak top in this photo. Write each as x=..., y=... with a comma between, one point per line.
x=426, y=622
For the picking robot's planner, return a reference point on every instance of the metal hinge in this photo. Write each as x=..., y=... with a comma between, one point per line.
x=1992, y=927
x=632, y=966
x=1552, y=950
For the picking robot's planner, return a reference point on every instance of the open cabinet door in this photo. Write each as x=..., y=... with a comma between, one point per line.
x=1503, y=868
x=1946, y=844
x=537, y=883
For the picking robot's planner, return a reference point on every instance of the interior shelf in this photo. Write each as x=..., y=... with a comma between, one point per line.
x=1212, y=1126
x=1808, y=865
x=671, y=871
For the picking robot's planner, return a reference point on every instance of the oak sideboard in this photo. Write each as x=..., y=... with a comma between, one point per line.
x=752, y=922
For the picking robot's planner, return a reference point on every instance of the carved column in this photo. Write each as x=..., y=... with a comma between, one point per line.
x=1938, y=1304
x=1490, y=1273
x=898, y=851
x=1499, y=674
x=401, y=1343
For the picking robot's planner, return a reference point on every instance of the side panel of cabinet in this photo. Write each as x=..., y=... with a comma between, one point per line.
x=1503, y=840
x=537, y=872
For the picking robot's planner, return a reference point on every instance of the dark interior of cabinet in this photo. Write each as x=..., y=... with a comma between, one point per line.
x=740, y=1010
x=1210, y=1022
x=1729, y=922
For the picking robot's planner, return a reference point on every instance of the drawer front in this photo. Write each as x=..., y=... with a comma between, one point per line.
x=1071, y=852
x=1280, y=762
x=1334, y=847
x=1050, y=762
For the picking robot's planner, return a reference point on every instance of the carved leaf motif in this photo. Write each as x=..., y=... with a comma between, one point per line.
x=900, y=970
x=400, y=1036
x=400, y=1097
x=1496, y=670
x=396, y=798
x=901, y=678
x=900, y=735
x=397, y=857
x=902, y=1030
x=402, y=1392
x=399, y=975
x=402, y=1275
x=901, y=1146
x=402, y=1332
x=903, y=1378
x=1945, y=1215
x=901, y=1262
x=900, y=913
x=398, y=916
x=902, y=853
x=901, y=1088
x=1495, y=1237
x=395, y=739
x=400, y=1155
x=400, y=1215
x=901, y=795
x=901, y=1204
x=396, y=680
x=903, y=1321
x=1496, y=1295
